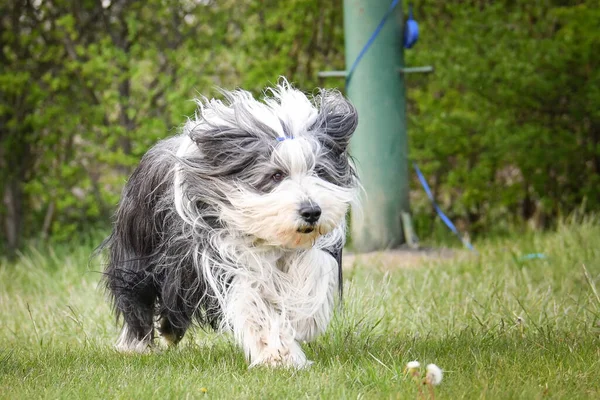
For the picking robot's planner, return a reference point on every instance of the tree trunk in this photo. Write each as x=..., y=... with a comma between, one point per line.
x=13, y=214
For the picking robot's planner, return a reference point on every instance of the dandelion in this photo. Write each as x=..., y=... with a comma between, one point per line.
x=434, y=375
x=412, y=369
x=412, y=365
x=203, y=390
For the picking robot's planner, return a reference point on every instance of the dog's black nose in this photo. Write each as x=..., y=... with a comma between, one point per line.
x=310, y=213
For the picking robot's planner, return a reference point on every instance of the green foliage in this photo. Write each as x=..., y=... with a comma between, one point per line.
x=87, y=88
x=508, y=126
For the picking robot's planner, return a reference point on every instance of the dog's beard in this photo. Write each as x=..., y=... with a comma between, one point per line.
x=274, y=219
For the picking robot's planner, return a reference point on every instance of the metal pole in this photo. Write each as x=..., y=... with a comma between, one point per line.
x=380, y=142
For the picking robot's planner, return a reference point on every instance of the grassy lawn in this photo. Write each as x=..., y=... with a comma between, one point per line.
x=501, y=327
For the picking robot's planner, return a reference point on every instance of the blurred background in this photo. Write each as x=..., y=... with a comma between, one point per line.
x=506, y=130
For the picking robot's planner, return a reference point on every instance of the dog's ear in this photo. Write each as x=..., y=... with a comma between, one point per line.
x=337, y=120
x=226, y=149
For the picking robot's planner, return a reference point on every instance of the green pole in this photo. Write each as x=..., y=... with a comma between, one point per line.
x=379, y=144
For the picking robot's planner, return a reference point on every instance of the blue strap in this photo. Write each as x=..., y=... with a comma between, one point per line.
x=441, y=214
x=371, y=40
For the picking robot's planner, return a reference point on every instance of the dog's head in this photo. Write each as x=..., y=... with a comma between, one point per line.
x=277, y=170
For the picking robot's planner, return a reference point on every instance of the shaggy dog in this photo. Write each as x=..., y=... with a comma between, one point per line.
x=238, y=223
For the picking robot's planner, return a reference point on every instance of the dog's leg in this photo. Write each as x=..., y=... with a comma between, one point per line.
x=171, y=332
x=134, y=298
x=316, y=272
x=182, y=298
x=265, y=335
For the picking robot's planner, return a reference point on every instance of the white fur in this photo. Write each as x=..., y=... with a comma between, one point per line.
x=280, y=299
x=124, y=345
x=182, y=203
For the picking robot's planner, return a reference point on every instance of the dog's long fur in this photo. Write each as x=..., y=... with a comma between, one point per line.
x=208, y=227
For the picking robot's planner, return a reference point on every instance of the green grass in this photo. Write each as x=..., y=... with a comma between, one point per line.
x=501, y=328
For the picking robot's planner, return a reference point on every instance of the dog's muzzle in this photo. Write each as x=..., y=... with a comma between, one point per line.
x=310, y=214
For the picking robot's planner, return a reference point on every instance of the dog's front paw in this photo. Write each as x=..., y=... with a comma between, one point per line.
x=128, y=343
x=287, y=357
x=134, y=347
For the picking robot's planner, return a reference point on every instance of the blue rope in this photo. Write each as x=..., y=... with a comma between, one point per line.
x=371, y=40
x=441, y=214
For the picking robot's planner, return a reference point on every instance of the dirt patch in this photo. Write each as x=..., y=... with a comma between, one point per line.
x=397, y=258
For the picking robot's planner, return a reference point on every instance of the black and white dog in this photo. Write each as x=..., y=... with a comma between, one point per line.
x=238, y=223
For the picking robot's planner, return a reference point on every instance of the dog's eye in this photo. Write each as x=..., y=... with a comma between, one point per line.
x=278, y=176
